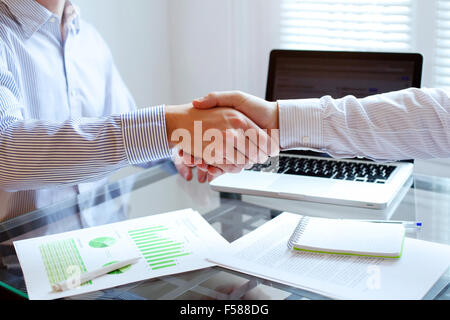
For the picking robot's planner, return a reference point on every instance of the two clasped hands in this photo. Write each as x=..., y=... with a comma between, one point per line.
x=222, y=132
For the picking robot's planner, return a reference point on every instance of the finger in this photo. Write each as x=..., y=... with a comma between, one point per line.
x=202, y=175
x=259, y=138
x=188, y=160
x=215, y=171
x=258, y=155
x=229, y=168
x=183, y=170
x=247, y=147
x=249, y=140
x=212, y=164
x=203, y=166
x=237, y=148
x=220, y=99
x=226, y=157
x=212, y=177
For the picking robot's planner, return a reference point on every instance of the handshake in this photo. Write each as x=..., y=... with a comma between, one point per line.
x=222, y=132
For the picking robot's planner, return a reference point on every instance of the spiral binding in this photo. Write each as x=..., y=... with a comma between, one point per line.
x=298, y=232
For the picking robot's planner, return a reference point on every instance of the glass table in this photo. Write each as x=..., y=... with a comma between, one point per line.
x=160, y=189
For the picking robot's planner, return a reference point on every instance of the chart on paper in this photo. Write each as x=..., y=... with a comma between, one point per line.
x=158, y=246
x=61, y=258
x=167, y=244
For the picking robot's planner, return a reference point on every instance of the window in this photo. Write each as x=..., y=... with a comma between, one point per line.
x=373, y=25
x=347, y=25
x=442, y=45
x=376, y=25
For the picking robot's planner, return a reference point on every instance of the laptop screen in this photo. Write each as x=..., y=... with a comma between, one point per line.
x=314, y=74
x=316, y=77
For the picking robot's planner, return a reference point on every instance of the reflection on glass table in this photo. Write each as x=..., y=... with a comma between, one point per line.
x=159, y=189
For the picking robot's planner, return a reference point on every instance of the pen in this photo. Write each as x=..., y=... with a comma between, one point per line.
x=84, y=277
x=406, y=224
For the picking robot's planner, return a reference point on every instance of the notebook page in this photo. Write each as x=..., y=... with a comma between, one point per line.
x=264, y=253
x=356, y=237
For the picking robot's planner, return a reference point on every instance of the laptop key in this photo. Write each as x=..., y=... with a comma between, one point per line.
x=332, y=169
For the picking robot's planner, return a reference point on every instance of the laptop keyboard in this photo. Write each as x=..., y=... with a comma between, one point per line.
x=330, y=169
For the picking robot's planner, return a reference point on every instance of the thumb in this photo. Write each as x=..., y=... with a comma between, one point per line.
x=207, y=102
x=233, y=99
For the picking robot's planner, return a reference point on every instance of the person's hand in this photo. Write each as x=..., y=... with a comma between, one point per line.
x=262, y=112
x=235, y=141
x=205, y=172
x=185, y=168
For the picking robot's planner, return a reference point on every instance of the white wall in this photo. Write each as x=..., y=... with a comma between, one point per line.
x=200, y=48
x=138, y=35
x=221, y=45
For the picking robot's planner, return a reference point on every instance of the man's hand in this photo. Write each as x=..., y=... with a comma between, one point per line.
x=222, y=137
x=262, y=112
x=185, y=167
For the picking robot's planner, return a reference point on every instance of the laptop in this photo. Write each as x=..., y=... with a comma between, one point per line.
x=310, y=176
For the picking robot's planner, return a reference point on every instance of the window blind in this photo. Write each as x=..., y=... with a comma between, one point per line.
x=441, y=63
x=366, y=25
x=376, y=25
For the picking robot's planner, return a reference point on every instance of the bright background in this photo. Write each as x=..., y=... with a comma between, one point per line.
x=171, y=51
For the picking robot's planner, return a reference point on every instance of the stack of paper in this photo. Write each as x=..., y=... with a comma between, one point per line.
x=264, y=253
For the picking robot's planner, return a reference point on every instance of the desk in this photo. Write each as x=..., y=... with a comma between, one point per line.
x=159, y=189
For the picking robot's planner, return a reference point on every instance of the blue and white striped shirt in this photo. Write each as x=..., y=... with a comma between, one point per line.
x=66, y=117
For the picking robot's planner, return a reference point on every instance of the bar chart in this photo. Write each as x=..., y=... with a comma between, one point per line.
x=159, y=249
x=62, y=260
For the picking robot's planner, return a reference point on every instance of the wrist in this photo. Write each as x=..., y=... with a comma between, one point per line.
x=275, y=115
x=178, y=117
x=172, y=115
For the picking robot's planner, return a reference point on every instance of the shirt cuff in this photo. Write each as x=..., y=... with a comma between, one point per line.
x=145, y=136
x=300, y=124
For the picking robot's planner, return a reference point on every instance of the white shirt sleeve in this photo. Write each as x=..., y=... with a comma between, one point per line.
x=407, y=124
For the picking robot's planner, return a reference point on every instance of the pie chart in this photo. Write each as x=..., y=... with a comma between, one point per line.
x=102, y=242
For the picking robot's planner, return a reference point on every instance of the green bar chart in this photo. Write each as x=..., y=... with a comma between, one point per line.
x=60, y=259
x=157, y=247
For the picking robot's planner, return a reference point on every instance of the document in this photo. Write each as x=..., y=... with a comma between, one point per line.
x=264, y=253
x=167, y=243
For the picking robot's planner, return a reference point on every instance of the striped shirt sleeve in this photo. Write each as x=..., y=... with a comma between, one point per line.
x=407, y=124
x=37, y=154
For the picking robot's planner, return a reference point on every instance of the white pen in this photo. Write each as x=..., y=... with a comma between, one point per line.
x=407, y=224
x=84, y=277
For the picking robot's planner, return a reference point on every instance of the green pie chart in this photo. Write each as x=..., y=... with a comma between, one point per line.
x=102, y=242
x=118, y=271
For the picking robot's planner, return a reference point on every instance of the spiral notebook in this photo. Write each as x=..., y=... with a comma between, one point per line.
x=348, y=237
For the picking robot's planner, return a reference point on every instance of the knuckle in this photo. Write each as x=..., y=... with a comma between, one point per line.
x=238, y=93
x=237, y=121
x=239, y=96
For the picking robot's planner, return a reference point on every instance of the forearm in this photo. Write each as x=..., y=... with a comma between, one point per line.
x=408, y=124
x=38, y=154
